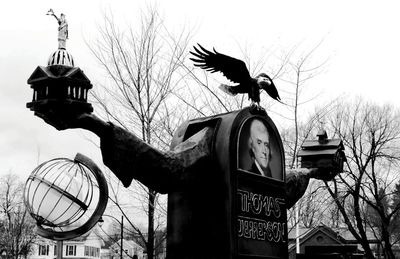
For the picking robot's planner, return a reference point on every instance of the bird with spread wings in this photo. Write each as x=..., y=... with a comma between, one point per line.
x=236, y=71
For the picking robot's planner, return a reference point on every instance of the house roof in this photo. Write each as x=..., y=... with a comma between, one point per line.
x=307, y=233
x=341, y=235
x=314, y=147
x=126, y=243
x=309, y=152
x=90, y=235
x=329, y=143
x=93, y=234
x=302, y=231
x=346, y=234
x=56, y=72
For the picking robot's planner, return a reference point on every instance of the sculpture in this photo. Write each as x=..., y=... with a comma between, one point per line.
x=62, y=29
x=236, y=71
x=60, y=85
x=211, y=195
x=188, y=174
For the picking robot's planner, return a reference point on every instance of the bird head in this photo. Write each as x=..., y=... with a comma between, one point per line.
x=263, y=80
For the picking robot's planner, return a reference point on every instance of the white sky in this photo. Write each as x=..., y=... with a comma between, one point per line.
x=361, y=39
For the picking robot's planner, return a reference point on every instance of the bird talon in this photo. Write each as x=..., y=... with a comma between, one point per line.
x=255, y=108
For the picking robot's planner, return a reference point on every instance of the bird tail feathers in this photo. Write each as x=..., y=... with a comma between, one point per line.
x=227, y=89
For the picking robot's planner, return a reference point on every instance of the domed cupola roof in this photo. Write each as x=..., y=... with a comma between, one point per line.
x=61, y=57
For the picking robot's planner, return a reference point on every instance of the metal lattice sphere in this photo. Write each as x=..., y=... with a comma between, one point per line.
x=64, y=195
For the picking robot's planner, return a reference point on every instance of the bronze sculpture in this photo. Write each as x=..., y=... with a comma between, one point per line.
x=207, y=187
x=62, y=29
x=236, y=71
x=180, y=172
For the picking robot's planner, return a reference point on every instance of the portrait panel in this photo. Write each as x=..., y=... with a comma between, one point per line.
x=259, y=149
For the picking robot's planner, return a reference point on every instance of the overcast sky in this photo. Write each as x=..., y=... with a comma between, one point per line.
x=361, y=40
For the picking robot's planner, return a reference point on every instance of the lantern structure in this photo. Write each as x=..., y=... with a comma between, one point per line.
x=60, y=85
x=326, y=154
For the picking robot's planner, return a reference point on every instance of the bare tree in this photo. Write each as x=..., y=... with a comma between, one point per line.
x=301, y=69
x=297, y=71
x=16, y=227
x=371, y=135
x=142, y=64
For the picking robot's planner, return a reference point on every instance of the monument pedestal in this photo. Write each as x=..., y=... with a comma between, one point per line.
x=226, y=210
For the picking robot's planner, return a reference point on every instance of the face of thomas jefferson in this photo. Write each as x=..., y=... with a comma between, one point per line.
x=259, y=144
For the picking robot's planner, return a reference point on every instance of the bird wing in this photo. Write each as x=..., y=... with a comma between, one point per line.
x=272, y=91
x=232, y=68
x=234, y=89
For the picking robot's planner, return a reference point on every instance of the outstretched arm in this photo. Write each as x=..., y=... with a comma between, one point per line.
x=55, y=16
x=297, y=181
x=125, y=154
x=130, y=158
x=62, y=119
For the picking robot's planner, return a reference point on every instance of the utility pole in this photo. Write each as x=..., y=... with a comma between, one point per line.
x=122, y=235
x=101, y=221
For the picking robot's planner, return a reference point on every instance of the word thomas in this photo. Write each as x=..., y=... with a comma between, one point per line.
x=261, y=230
x=260, y=204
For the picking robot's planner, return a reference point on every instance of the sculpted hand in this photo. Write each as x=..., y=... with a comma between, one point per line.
x=324, y=174
x=62, y=119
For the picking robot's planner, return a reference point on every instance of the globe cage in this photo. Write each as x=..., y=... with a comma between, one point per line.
x=67, y=198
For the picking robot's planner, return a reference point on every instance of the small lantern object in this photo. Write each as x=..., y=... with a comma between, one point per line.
x=66, y=197
x=60, y=85
x=323, y=153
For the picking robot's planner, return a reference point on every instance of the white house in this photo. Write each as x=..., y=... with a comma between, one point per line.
x=86, y=246
x=130, y=247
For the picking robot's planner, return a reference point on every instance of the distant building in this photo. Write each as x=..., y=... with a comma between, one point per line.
x=132, y=250
x=84, y=247
x=105, y=253
x=3, y=253
x=322, y=240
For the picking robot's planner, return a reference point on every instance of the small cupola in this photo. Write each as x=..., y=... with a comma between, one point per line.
x=322, y=136
x=323, y=153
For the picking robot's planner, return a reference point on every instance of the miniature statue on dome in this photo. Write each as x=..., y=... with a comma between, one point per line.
x=62, y=29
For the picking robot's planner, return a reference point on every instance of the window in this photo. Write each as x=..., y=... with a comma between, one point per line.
x=43, y=249
x=70, y=250
x=55, y=249
x=92, y=251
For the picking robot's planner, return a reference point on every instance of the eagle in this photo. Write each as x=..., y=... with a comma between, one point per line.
x=236, y=71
